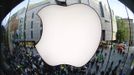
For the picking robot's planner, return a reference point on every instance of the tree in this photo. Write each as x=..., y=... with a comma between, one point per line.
x=123, y=30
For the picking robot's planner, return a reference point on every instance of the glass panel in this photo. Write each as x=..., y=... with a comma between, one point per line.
x=22, y=30
x=14, y=33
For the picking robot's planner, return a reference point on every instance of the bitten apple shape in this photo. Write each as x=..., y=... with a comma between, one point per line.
x=70, y=34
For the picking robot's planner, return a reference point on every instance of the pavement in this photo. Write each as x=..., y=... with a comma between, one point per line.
x=121, y=61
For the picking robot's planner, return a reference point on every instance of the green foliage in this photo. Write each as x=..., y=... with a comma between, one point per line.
x=123, y=30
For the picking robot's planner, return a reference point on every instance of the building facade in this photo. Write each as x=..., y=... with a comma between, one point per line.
x=30, y=24
x=33, y=28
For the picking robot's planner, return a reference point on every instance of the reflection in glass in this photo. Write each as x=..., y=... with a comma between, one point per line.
x=23, y=29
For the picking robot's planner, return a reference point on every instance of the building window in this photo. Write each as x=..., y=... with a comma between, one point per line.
x=103, y=35
x=31, y=24
x=24, y=35
x=24, y=25
x=101, y=9
x=32, y=15
x=40, y=32
x=31, y=34
x=20, y=20
x=40, y=24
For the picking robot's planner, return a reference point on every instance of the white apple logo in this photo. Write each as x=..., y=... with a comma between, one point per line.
x=70, y=34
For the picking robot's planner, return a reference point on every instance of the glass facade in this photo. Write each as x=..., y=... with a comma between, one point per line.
x=23, y=29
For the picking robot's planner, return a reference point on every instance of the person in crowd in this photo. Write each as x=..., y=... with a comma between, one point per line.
x=102, y=72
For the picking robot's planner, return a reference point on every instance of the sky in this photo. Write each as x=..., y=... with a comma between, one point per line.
x=36, y=1
x=116, y=6
x=120, y=10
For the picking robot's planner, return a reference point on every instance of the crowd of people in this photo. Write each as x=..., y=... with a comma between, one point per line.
x=27, y=61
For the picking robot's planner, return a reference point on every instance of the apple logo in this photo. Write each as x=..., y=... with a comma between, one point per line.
x=71, y=34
